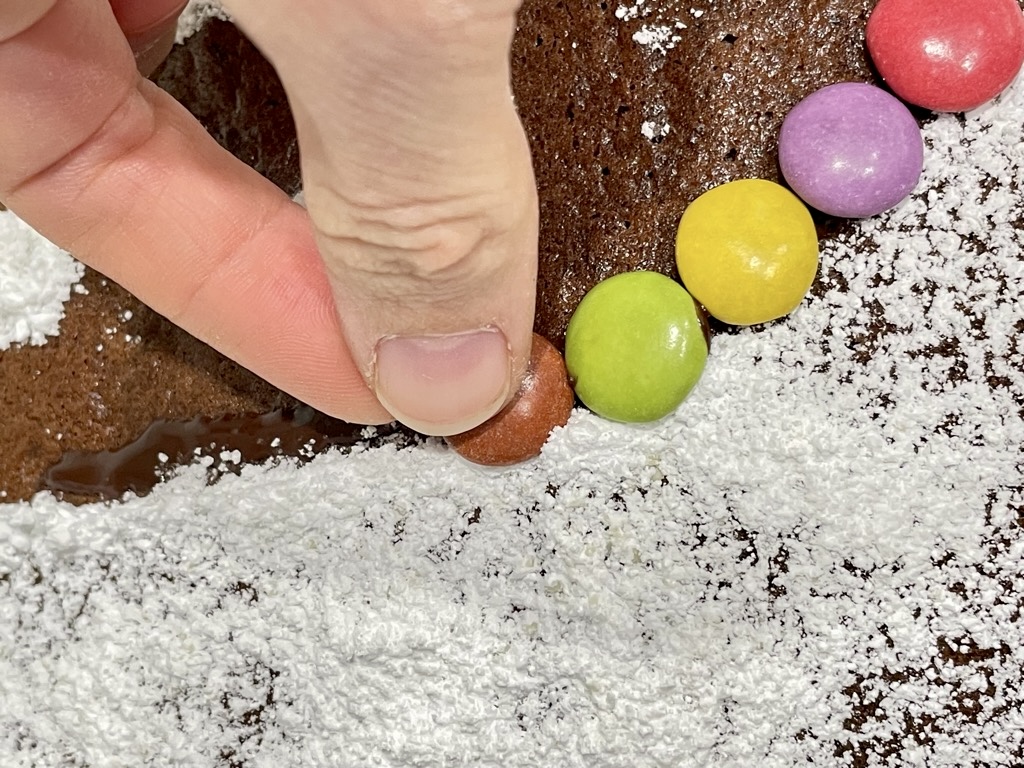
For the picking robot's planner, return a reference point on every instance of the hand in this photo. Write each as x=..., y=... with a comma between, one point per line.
x=418, y=181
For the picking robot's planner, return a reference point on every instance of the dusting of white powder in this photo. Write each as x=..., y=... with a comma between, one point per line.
x=196, y=13
x=661, y=38
x=823, y=546
x=654, y=130
x=630, y=12
x=36, y=279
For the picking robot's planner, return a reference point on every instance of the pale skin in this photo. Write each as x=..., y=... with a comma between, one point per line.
x=406, y=291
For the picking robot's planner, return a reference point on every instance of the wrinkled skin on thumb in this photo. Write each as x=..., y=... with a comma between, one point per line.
x=419, y=183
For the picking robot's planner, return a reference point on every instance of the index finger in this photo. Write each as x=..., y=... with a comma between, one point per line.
x=111, y=168
x=150, y=27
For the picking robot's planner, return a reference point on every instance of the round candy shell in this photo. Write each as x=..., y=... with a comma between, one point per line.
x=635, y=347
x=947, y=55
x=851, y=150
x=748, y=251
x=520, y=429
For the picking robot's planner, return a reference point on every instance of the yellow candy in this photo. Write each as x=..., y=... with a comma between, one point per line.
x=747, y=251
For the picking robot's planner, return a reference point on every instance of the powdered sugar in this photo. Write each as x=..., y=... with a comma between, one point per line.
x=630, y=12
x=660, y=36
x=817, y=560
x=654, y=130
x=195, y=15
x=36, y=278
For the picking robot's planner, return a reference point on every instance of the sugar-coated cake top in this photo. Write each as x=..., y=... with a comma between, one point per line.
x=815, y=560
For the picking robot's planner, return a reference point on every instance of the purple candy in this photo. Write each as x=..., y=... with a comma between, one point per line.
x=851, y=150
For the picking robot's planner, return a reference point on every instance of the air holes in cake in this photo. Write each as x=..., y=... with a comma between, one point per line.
x=732, y=154
x=729, y=38
x=570, y=111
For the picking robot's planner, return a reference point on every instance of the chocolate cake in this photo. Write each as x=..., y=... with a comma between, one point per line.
x=623, y=136
x=815, y=561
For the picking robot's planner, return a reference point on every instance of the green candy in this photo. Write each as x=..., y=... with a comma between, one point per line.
x=635, y=347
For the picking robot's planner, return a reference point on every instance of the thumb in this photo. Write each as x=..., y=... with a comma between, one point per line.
x=418, y=179
x=445, y=342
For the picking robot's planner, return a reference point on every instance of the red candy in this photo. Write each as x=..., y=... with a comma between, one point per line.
x=947, y=55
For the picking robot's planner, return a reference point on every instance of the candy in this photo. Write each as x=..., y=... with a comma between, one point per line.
x=947, y=55
x=635, y=347
x=747, y=251
x=851, y=150
x=520, y=429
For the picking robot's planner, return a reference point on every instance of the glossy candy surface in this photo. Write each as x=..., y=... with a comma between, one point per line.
x=747, y=250
x=520, y=429
x=851, y=150
x=947, y=55
x=635, y=347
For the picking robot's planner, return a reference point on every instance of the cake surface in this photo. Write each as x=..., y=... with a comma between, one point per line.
x=624, y=134
x=816, y=560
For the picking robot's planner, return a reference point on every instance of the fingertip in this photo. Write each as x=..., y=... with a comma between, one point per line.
x=150, y=28
x=446, y=383
x=150, y=53
x=136, y=17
